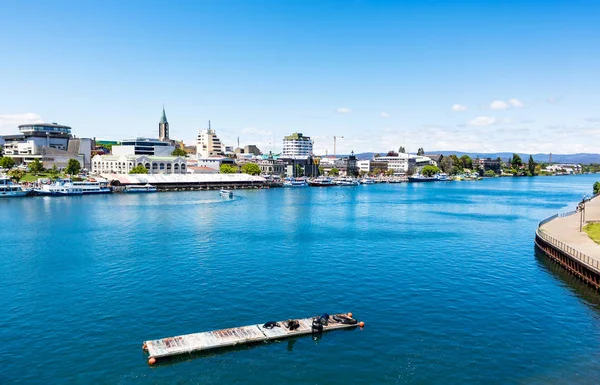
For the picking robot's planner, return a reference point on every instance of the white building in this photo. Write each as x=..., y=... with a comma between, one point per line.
x=111, y=164
x=208, y=144
x=51, y=143
x=143, y=146
x=297, y=146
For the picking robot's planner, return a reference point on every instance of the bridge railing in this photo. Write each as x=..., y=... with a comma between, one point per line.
x=569, y=250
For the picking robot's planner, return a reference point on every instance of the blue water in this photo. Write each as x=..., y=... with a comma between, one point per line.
x=444, y=275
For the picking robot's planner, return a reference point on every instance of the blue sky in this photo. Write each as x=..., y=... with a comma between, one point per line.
x=463, y=75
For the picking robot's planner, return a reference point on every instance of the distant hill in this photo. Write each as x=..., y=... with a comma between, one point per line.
x=583, y=158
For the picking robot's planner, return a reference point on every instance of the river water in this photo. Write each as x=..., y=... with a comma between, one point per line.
x=445, y=276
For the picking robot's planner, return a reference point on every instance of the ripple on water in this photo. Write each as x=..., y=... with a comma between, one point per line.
x=445, y=276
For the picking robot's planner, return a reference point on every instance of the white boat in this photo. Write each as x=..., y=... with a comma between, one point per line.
x=61, y=187
x=298, y=182
x=226, y=193
x=442, y=176
x=421, y=178
x=8, y=189
x=321, y=182
x=346, y=182
x=367, y=180
x=92, y=187
x=147, y=188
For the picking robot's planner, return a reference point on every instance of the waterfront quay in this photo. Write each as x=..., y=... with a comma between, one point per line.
x=562, y=239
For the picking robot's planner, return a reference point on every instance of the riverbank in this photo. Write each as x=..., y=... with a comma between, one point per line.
x=562, y=238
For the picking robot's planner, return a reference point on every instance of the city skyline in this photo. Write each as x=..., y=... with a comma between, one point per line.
x=515, y=76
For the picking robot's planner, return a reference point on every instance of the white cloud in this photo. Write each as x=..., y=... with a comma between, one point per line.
x=343, y=110
x=482, y=121
x=552, y=100
x=384, y=115
x=498, y=105
x=459, y=107
x=9, y=122
x=515, y=103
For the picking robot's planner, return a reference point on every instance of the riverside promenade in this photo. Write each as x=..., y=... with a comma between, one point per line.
x=560, y=238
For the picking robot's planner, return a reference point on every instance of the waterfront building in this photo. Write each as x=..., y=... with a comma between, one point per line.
x=564, y=168
x=485, y=164
x=435, y=158
x=113, y=164
x=163, y=127
x=249, y=149
x=51, y=143
x=208, y=144
x=271, y=166
x=214, y=162
x=297, y=146
x=143, y=146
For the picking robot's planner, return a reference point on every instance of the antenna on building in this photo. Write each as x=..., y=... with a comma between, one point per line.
x=238, y=142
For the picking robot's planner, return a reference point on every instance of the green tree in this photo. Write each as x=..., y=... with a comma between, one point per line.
x=1, y=151
x=334, y=171
x=16, y=174
x=447, y=165
x=466, y=161
x=596, y=188
x=402, y=150
x=430, y=170
x=456, y=163
x=36, y=166
x=389, y=172
x=227, y=169
x=139, y=169
x=377, y=171
x=362, y=173
x=321, y=170
x=7, y=162
x=376, y=156
x=516, y=161
x=73, y=167
x=531, y=165
x=420, y=151
x=54, y=172
x=299, y=170
x=179, y=152
x=251, y=168
x=489, y=173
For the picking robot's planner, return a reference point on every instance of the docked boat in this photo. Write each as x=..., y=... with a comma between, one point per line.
x=442, y=177
x=147, y=188
x=367, y=180
x=61, y=187
x=297, y=182
x=8, y=189
x=321, y=182
x=92, y=187
x=422, y=178
x=226, y=193
x=347, y=182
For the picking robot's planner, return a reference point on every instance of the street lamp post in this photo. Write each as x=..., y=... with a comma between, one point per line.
x=581, y=208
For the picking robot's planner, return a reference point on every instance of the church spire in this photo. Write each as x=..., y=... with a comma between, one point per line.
x=163, y=118
x=163, y=127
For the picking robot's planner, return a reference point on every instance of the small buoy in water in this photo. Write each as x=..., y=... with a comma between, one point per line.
x=361, y=324
x=350, y=315
x=152, y=360
x=145, y=347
